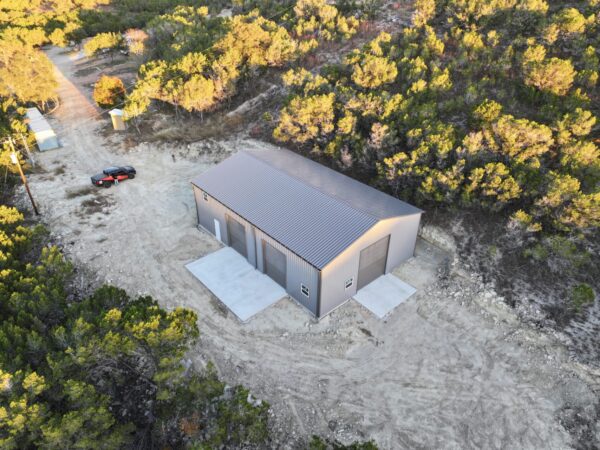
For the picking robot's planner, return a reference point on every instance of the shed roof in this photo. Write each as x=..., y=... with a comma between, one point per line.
x=38, y=123
x=312, y=210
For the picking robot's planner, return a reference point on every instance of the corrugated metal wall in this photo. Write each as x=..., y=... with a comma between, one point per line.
x=403, y=237
x=298, y=271
x=332, y=292
x=212, y=209
x=204, y=216
x=403, y=240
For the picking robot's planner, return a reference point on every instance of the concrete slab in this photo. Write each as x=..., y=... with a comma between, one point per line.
x=382, y=295
x=236, y=283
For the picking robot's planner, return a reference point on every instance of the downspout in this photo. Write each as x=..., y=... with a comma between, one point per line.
x=255, y=247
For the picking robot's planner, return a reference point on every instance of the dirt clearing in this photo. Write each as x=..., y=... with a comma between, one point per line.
x=451, y=367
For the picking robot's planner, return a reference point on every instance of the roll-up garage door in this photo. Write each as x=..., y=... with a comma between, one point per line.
x=372, y=262
x=275, y=263
x=237, y=236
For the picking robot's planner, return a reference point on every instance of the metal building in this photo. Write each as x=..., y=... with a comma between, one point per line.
x=44, y=134
x=319, y=234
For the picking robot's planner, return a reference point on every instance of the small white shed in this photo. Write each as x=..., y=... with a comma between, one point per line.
x=43, y=132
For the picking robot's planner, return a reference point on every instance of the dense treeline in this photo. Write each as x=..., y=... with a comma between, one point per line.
x=26, y=74
x=106, y=370
x=480, y=104
x=58, y=22
x=198, y=59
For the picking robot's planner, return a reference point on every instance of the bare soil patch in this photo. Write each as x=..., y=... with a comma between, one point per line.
x=96, y=204
x=538, y=290
x=80, y=191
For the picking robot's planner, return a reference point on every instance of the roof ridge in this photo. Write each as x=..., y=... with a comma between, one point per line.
x=327, y=194
x=311, y=223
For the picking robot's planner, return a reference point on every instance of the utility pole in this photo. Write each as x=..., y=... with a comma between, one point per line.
x=15, y=160
x=29, y=155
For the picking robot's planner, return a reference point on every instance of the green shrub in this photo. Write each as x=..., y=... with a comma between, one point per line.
x=568, y=251
x=562, y=249
x=538, y=252
x=582, y=295
x=318, y=443
x=103, y=370
x=503, y=120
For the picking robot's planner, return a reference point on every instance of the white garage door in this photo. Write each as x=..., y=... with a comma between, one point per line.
x=372, y=262
x=275, y=263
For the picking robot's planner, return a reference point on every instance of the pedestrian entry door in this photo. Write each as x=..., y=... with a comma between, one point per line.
x=218, y=230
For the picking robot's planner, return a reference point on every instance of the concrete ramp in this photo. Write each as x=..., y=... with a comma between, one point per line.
x=236, y=283
x=383, y=294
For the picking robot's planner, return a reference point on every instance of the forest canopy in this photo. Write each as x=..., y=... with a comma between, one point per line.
x=485, y=105
x=199, y=59
x=103, y=370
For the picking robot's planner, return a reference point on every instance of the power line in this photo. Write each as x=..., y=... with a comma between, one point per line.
x=15, y=160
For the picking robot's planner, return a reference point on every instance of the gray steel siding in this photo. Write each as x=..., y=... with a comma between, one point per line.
x=298, y=271
x=213, y=209
x=402, y=240
x=206, y=211
x=403, y=237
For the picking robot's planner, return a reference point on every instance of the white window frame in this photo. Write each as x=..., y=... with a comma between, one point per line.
x=205, y=196
x=305, y=291
x=349, y=283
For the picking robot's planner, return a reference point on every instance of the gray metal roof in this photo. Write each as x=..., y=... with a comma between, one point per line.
x=312, y=210
x=38, y=123
x=358, y=195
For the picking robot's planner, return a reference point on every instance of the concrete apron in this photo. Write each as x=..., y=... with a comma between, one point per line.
x=236, y=283
x=384, y=294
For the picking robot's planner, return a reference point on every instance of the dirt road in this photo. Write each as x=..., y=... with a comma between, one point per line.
x=451, y=368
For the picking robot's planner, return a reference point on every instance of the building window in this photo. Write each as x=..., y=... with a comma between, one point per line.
x=304, y=290
x=205, y=196
x=348, y=284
